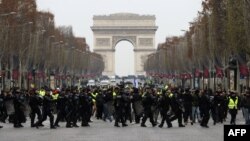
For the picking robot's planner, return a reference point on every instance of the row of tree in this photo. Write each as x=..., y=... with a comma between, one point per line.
x=217, y=42
x=33, y=49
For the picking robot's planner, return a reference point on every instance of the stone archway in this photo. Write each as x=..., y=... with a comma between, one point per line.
x=109, y=30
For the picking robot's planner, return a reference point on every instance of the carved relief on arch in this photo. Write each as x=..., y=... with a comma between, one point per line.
x=102, y=42
x=117, y=39
x=146, y=41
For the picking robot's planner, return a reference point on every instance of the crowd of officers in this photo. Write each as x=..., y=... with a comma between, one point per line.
x=122, y=104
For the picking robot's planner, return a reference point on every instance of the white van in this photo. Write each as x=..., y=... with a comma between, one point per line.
x=104, y=83
x=91, y=83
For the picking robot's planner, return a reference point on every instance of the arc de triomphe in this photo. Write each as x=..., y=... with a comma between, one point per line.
x=109, y=30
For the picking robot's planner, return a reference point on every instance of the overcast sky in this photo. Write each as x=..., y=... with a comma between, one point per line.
x=172, y=16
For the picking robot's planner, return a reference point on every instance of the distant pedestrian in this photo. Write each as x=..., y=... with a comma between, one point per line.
x=233, y=106
x=205, y=106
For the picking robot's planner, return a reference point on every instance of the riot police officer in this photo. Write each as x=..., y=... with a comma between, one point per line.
x=137, y=105
x=60, y=105
x=176, y=106
x=187, y=103
x=69, y=105
x=18, y=105
x=47, y=110
x=127, y=104
x=85, y=108
x=148, y=101
x=164, y=105
x=119, y=104
x=35, y=102
x=205, y=106
x=75, y=110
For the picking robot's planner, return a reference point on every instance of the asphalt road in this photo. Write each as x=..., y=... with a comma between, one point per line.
x=105, y=131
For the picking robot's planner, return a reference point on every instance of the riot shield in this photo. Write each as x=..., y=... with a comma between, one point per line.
x=26, y=108
x=138, y=108
x=10, y=107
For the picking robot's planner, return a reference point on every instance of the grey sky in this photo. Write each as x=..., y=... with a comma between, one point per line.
x=172, y=16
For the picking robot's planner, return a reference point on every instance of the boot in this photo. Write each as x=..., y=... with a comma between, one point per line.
x=52, y=127
x=161, y=125
x=36, y=125
x=124, y=125
x=85, y=125
x=75, y=125
x=16, y=126
x=41, y=125
x=20, y=125
x=68, y=125
x=170, y=125
x=181, y=125
x=116, y=125
x=32, y=124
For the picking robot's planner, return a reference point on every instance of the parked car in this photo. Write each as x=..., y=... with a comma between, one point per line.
x=91, y=83
x=104, y=83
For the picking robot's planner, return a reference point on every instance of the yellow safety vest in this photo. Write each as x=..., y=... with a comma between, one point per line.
x=114, y=94
x=42, y=93
x=233, y=104
x=171, y=95
x=94, y=95
x=55, y=96
x=158, y=93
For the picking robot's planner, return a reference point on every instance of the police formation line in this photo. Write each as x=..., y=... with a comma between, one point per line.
x=121, y=104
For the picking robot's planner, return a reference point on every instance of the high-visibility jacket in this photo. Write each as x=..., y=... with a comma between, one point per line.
x=114, y=94
x=55, y=96
x=42, y=93
x=170, y=95
x=93, y=100
x=159, y=93
x=93, y=95
x=233, y=104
